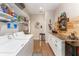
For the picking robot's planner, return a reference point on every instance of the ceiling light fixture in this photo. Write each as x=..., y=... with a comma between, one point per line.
x=41, y=10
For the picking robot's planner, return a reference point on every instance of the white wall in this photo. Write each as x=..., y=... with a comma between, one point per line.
x=48, y=15
x=37, y=18
x=44, y=20
x=71, y=9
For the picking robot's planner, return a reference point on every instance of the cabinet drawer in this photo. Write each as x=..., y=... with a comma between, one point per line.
x=57, y=45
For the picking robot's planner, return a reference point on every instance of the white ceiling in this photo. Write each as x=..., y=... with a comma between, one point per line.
x=34, y=8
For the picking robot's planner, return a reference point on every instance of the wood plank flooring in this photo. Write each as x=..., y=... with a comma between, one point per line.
x=42, y=47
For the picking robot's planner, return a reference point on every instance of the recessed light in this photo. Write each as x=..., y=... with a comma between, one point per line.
x=41, y=8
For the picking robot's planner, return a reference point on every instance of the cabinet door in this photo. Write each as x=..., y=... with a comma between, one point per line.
x=69, y=50
x=77, y=51
x=47, y=37
x=53, y=45
x=60, y=47
x=57, y=45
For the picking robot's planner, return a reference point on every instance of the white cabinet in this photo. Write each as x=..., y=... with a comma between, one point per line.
x=27, y=49
x=57, y=45
x=47, y=37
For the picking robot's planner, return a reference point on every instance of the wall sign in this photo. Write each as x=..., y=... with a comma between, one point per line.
x=9, y=25
x=15, y=25
x=12, y=25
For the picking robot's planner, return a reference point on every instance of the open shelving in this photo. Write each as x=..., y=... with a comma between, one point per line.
x=6, y=17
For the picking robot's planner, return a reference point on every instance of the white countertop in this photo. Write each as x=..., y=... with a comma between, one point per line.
x=13, y=46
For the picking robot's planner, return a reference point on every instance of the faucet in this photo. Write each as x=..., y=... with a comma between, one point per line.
x=10, y=36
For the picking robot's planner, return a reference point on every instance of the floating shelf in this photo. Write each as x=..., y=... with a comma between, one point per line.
x=6, y=17
x=18, y=10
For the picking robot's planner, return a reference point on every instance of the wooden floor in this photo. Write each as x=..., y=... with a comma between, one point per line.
x=42, y=47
